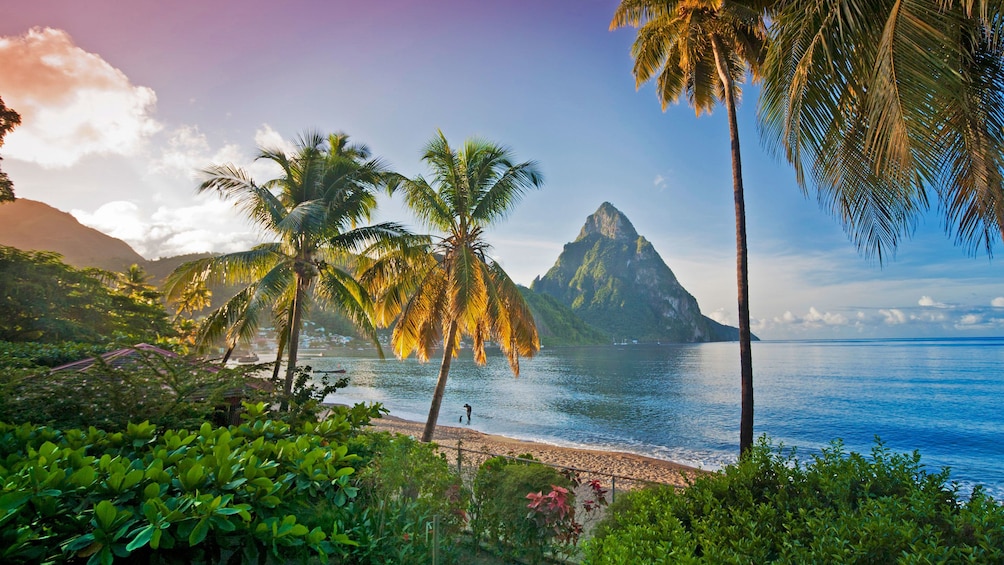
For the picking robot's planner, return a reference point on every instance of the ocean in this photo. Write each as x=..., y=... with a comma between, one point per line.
x=942, y=397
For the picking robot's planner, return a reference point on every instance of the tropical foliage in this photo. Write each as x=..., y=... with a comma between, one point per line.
x=167, y=391
x=885, y=107
x=772, y=508
x=313, y=210
x=44, y=300
x=703, y=49
x=451, y=288
x=207, y=495
x=504, y=517
x=9, y=119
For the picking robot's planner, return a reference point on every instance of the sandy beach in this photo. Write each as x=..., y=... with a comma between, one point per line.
x=627, y=469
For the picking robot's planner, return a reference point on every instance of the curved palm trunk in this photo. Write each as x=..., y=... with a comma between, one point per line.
x=229, y=352
x=742, y=267
x=278, y=361
x=294, y=340
x=444, y=371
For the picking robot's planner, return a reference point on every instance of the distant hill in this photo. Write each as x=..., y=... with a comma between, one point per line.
x=33, y=226
x=615, y=281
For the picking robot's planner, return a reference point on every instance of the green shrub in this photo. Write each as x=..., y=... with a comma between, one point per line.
x=33, y=354
x=500, y=513
x=409, y=504
x=213, y=495
x=770, y=508
x=168, y=392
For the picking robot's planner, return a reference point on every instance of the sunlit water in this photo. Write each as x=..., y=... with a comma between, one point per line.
x=681, y=402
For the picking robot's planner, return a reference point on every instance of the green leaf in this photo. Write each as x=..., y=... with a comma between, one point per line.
x=142, y=538
x=13, y=500
x=80, y=543
x=105, y=514
x=199, y=532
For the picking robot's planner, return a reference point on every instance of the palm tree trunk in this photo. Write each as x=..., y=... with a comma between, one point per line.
x=294, y=341
x=278, y=361
x=742, y=262
x=444, y=371
x=228, y=353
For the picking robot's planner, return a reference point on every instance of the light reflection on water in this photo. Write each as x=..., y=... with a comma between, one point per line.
x=681, y=402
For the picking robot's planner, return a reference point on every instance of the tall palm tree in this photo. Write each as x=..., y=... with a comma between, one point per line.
x=703, y=49
x=313, y=210
x=135, y=282
x=883, y=106
x=447, y=287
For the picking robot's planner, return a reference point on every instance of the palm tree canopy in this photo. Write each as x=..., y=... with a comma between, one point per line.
x=882, y=106
x=453, y=280
x=313, y=212
x=674, y=46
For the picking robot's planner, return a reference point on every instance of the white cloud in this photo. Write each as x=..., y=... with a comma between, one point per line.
x=927, y=301
x=997, y=302
x=72, y=103
x=188, y=152
x=210, y=225
x=268, y=138
x=659, y=182
x=893, y=316
x=969, y=320
x=721, y=317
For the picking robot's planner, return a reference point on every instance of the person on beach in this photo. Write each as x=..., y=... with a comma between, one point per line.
x=468, y=407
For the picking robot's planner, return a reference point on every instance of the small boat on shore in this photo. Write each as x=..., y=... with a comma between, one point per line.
x=251, y=357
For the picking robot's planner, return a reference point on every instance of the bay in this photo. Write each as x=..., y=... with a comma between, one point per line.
x=681, y=402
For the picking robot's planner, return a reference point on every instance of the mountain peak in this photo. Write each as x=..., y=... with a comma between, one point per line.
x=610, y=223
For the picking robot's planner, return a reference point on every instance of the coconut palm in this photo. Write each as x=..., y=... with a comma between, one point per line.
x=884, y=106
x=703, y=49
x=193, y=298
x=446, y=287
x=313, y=210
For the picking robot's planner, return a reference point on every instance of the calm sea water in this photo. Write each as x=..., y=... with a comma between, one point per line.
x=681, y=402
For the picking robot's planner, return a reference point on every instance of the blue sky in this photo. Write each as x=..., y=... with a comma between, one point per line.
x=123, y=102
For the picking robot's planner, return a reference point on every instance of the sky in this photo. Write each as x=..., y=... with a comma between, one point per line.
x=122, y=103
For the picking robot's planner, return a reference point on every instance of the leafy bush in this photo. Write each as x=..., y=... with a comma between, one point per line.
x=501, y=513
x=43, y=299
x=214, y=495
x=32, y=354
x=770, y=508
x=303, y=403
x=409, y=504
x=168, y=392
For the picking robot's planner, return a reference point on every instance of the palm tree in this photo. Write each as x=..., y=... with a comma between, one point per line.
x=193, y=298
x=885, y=103
x=703, y=49
x=135, y=283
x=313, y=211
x=450, y=288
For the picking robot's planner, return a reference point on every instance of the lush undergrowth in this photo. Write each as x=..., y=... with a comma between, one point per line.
x=216, y=494
x=771, y=508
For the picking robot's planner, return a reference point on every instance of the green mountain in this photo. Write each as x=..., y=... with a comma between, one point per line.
x=614, y=280
x=557, y=324
x=34, y=226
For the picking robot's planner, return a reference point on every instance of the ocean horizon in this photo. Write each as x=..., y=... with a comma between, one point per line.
x=680, y=402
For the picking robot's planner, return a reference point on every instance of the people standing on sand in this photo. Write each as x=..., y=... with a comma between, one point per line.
x=468, y=407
